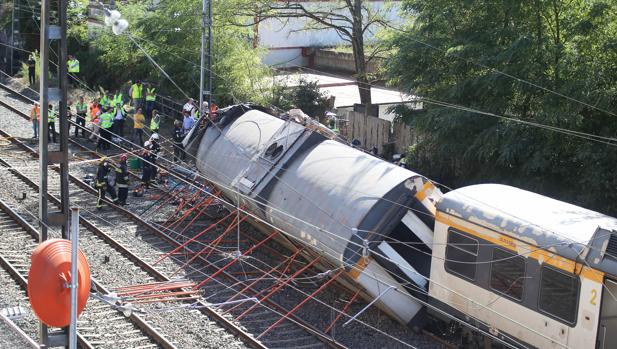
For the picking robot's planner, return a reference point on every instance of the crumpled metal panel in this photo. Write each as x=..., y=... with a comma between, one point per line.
x=325, y=190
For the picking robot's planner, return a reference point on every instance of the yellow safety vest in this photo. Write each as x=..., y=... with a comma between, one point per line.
x=81, y=107
x=51, y=116
x=117, y=99
x=107, y=120
x=151, y=95
x=73, y=66
x=154, y=125
x=104, y=101
x=137, y=90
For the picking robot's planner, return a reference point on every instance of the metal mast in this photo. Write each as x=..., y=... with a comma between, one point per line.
x=12, y=38
x=202, y=58
x=206, y=25
x=210, y=87
x=53, y=33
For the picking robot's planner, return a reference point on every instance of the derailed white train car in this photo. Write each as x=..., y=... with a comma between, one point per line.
x=533, y=271
x=338, y=200
x=524, y=268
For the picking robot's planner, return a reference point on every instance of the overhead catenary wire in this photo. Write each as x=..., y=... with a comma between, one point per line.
x=290, y=235
x=351, y=189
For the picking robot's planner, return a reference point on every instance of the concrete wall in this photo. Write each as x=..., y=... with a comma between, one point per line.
x=341, y=61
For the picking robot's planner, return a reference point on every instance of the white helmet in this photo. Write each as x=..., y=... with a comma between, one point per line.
x=155, y=136
x=147, y=144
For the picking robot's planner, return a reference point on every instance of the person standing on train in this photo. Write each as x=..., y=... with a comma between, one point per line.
x=35, y=117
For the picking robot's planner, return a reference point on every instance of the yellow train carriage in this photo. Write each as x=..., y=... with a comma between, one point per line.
x=529, y=269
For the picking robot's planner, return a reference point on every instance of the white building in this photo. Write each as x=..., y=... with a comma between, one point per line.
x=287, y=39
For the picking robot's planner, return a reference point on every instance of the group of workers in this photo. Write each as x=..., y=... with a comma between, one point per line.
x=102, y=121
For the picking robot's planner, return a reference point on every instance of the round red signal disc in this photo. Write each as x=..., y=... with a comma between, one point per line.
x=48, y=281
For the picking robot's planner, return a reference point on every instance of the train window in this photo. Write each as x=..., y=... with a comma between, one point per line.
x=277, y=151
x=461, y=254
x=270, y=150
x=507, y=273
x=559, y=294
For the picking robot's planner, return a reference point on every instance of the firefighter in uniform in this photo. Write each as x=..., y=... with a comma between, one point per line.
x=154, y=148
x=102, y=183
x=147, y=165
x=178, y=137
x=122, y=180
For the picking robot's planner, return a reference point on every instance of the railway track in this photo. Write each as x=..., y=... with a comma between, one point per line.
x=82, y=195
x=99, y=326
x=143, y=242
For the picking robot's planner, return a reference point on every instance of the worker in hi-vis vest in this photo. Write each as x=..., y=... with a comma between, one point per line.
x=155, y=123
x=107, y=121
x=73, y=69
x=137, y=94
x=150, y=99
x=51, y=123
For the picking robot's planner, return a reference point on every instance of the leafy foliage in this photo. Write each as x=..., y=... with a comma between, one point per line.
x=479, y=54
x=305, y=96
x=170, y=33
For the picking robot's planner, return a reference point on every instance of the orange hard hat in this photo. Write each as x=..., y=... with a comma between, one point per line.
x=49, y=275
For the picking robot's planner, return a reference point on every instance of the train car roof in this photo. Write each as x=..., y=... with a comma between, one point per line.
x=536, y=219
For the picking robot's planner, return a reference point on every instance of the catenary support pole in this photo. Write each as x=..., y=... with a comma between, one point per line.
x=202, y=58
x=53, y=88
x=74, y=278
x=210, y=87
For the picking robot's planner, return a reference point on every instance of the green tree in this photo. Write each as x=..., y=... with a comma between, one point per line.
x=170, y=33
x=461, y=52
x=305, y=96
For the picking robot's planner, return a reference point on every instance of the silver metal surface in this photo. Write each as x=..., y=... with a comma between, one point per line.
x=317, y=189
x=74, y=276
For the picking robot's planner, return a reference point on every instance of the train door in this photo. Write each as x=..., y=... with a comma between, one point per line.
x=608, y=316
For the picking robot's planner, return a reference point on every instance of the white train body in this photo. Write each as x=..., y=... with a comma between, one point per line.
x=355, y=209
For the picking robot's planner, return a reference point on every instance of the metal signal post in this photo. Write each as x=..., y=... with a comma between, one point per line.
x=53, y=89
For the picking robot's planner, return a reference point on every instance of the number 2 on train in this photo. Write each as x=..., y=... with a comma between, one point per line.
x=594, y=294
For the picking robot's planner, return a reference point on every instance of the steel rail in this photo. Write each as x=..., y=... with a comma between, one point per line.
x=17, y=276
x=202, y=306
x=136, y=319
